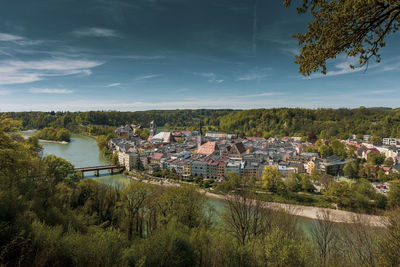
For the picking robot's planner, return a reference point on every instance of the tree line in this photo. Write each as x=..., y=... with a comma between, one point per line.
x=72, y=120
x=326, y=123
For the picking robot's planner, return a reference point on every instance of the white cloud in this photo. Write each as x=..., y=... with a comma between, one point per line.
x=4, y=92
x=267, y=94
x=291, y=50
x=146, y=77
x=136, y=57
x=259, y=95
x=96, y=32
x=54, y=64
x=340, y=69
x=378, y=92
x=139, y=105
x=49, y=91
x=112, y=85
x=254, y=75
x=211, y=77
x=9, y=37
x=287, y=100
x=16, y=71
x=391, y=67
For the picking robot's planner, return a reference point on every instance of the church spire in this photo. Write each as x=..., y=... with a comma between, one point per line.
x=199, y=138
x=153, y=128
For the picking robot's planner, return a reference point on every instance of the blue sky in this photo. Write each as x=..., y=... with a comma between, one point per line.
x=169, y=54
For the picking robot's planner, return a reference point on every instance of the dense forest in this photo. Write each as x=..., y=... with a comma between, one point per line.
x=323, y=122
x=70, y=120
x=341, y=123
x=49, y=216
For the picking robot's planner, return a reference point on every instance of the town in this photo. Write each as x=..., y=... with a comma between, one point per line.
x=190, y=155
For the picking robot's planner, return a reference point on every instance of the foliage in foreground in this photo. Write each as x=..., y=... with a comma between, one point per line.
x=49, y=217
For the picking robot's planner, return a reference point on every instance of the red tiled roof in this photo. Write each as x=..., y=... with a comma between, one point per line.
x=385, y=168
x=157, y=156
x=208, y=148
x=372, y=150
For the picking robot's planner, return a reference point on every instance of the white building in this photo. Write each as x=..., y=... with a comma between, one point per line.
x=391, y=141
x=129, y=160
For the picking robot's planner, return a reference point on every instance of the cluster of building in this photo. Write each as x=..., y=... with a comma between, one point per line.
x=390, y=148
x=214, y=155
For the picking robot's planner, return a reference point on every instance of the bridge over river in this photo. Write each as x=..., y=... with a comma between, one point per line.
x=97, y=169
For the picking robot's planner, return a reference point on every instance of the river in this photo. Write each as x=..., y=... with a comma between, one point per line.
x=82, y=151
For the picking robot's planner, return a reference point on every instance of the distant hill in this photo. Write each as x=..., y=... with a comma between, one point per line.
x=379, y=121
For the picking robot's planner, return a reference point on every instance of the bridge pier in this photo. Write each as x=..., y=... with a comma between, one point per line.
x=96, y=173
x=111, y=171
x=83, y=174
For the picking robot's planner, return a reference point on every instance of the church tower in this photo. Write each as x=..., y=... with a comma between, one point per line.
x=153, y=128
x=199, y=137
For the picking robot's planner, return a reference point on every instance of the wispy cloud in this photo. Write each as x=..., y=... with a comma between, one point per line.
x=96, y=32
x=50, y=91
x=340, y=69
x=112, y=85
x=378, y=92
x=146, y=77
x=287, y=100
x=17, y=40
x=5, y=37
x=17, y=71
x=263, y=94
x=211, y=77
x=254, y=75
x=54, y=64
x=267, y=94
x=145, y=105
x=5, y=92
x=391, y=67
x=290, y=50
x=139, y=57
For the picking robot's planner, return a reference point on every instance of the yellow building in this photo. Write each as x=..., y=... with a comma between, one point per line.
x=311, y=166
x=187, y=170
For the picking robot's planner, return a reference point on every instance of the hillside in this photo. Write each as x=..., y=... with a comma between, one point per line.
x=382, y=122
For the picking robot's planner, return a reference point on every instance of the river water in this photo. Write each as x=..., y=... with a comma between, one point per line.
x=82, y=151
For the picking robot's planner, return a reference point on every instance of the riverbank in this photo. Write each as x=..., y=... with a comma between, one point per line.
x=338, y=216
x=48, y=141
x=55, y=142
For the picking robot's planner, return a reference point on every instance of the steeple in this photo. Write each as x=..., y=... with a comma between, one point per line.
x=153, y=128
x=199, y=137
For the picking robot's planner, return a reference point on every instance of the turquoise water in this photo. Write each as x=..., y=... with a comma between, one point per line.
x=82, y=151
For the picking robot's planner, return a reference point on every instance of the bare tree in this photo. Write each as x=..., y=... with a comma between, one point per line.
x=246, y=217
x=325, y=179
x=389, y=245
x=133, y=198
x=325, y=237
x=359, y=239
